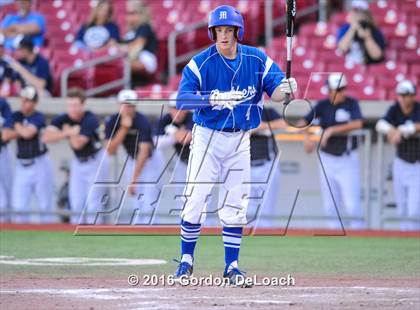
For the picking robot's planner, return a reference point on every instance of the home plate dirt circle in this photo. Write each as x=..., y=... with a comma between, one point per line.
x=80, y=261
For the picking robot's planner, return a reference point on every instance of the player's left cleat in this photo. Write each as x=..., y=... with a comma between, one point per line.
x=237, y=278
x=183, y=271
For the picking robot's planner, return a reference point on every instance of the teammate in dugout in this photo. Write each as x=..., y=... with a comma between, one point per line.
x=90, y=166
x=224, y=85
x=174, y=130
x=401, y=125
x=338, y=115
x=144, y=165
x=265, y=169
x=6, y=175
x=34, y=169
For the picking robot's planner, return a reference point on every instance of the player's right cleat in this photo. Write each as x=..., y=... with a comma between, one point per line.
x=184, y=270
x=237, y=278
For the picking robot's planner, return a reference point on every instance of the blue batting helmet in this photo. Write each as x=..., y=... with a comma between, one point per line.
x=226, y=15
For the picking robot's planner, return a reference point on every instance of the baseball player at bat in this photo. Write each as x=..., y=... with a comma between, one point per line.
x=224, y=85
x=338, y=115
x=6, y=175
x=133, y=130
x=34, y=170
x=80, y=128
x=401, y=125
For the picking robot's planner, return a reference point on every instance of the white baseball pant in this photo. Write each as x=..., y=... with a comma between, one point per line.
x=6, y=181
x=143, y=204
x=223, y=158
x=88, y=197
x=37, y=178
x=343, y=174
x=263, y=202
x=407, y=192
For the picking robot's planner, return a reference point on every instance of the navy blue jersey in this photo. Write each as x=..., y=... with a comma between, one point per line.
x=182, y=150
x=146, y=32
x=89, y=126
x=262, y=146
x=95, y=36
x=140, y=131
x=251, y=72
x=33, y=147
x=41, y=69
x=329, y=115
x=5, y=117
x=408, y=149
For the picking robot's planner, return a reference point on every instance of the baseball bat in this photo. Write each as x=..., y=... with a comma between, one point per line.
x=290, y=19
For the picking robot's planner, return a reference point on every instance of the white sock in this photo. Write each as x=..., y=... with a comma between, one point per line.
x=187, y=258
x=232, y=265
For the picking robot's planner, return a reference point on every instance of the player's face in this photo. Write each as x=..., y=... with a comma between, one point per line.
x=103, y=13
x=21, y=53
x=337, y=96
x=75, y=108
x=225, y=38
x=178, y=115
x=27, y=107
x=128, y=109
x=407, y=101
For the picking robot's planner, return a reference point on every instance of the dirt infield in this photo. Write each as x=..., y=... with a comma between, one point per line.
x=308, y=293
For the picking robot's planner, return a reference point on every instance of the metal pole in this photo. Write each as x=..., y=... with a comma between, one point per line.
x=172, y=53
x=322, y=13
x=268, y=10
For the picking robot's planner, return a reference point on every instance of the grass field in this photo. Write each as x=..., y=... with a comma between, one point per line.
x=390, y=257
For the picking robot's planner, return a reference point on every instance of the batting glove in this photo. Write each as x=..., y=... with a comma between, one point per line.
x=288, y=86
x=226, y=99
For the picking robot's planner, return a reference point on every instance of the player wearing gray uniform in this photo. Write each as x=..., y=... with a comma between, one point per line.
x=142, y=169
x=5, y=162
x=34, y=171
x=401, y=125
x=90, y=166
x=265, y=169
x=340, y=185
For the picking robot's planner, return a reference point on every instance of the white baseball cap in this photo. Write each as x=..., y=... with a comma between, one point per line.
x=127, y=95
x=360, y=4
x=336, y=80
x=30, y=93
x=172, y=100
x=406, y=87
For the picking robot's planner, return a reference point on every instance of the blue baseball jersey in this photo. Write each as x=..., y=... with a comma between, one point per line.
x=262, y=146
x=5, y=117
x=89, y=127
x=251, y=72
x=327, y=115
x=33, y=147
x=409, y=148
x=140, y=131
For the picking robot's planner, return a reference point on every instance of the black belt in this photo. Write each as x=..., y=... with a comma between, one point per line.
x=84, y=159
x=229, y=129
x=259, y=162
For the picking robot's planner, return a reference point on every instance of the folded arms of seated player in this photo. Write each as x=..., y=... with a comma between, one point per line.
x=53, y=134
x=19, y=131
x=395, y=134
